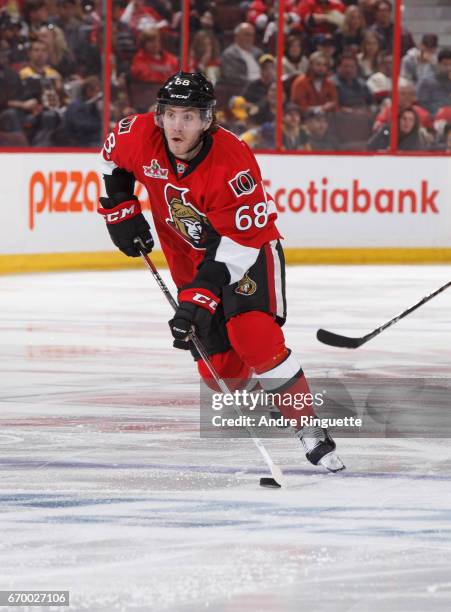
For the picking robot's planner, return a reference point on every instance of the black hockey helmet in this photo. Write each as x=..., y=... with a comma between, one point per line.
x=187, y=89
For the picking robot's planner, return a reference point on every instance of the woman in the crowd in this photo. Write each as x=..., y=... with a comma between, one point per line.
x=294, y=61
x=152, y=63
x=368, y=58
x=205, y=54
x=410, y=134
x=352, y=31
x=60, y=56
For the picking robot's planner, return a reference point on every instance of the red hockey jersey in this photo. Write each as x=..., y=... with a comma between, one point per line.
x=217, y=200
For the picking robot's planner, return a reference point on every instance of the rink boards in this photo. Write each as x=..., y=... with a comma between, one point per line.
x=332, y=209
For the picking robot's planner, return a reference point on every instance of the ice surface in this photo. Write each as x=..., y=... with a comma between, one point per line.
x=107, y=490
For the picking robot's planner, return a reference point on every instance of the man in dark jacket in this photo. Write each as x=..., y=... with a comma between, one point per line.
x=10, y=94
x=434, y=91
x=353, y=93
x=83, y=119
x=384, y=28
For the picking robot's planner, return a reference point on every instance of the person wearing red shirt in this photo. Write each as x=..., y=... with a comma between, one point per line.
x=321, y=16
x=407, y=99
x=151, y=63
x=315, y=89
x=216, y=225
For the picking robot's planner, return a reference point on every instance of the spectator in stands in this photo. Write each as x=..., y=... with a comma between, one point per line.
x=294, y=61
x=60, y=56
x=325, y=44
x=91, y=52
x=10, y=101
x=294, y=137
x=410, y=136
x=260, y=14
x=267, y=108
x=419, y=63
x=43, y=116
x=434, y=91
x=315, y=89
x=239, y=61
x=10, y=31
x=255, y=91
x=321, y=16
x=123, y=42
x=67, y=19
x=368, y=8
x=152, y=63
x=91, y=17
x=384, y=28
x=260, y=137
x=141, y=16
x=83, y=117
x=406, y=99
x=380, y=83
x=351, y=32
x=205, y=22
x=441, y=120
x=36, y=14
x=368, y=57
x=317, y=129
x=205, y=53
x=353, y=93
x=237, y=115
x=37, y=69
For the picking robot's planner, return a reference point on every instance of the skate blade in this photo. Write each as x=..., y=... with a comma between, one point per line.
x=332, y=462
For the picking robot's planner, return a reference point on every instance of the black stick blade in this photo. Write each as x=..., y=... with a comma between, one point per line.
x=269, y=483
x=327, y=337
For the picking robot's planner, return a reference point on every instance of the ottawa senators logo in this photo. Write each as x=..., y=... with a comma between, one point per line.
x=125, y=125
x=189, y=223
x=242, y=183
x=246, y=286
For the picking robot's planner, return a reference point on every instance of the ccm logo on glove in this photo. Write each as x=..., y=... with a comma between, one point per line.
x=121, y=212
x=205, y=299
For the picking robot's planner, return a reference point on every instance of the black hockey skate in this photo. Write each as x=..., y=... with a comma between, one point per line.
x=320, y=448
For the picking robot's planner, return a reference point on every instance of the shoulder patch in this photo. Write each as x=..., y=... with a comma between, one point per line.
x=125, y=125
x=243, y=183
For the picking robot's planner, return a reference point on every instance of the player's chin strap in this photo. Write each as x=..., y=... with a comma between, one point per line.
x=275, y=470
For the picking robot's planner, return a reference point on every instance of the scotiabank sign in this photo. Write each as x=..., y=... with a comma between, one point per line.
x=355, y=199
x=51, y=200
x=346, y=201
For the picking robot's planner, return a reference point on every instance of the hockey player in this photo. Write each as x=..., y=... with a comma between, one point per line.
x=216, y=226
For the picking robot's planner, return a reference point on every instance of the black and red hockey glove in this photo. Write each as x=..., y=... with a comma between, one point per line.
x=197, y=305
x=125, y=222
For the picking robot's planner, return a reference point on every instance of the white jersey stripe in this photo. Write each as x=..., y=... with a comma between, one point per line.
x=236, y=257
x=106, y=166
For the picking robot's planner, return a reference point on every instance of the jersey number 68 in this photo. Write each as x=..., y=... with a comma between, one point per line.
x=244, y=220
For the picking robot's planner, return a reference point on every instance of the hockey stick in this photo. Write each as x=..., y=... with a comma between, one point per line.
x=327, y=337
x=274, y=469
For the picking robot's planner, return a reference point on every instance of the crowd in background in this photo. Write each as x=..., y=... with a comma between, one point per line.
x=336, y=71
x=50, y=73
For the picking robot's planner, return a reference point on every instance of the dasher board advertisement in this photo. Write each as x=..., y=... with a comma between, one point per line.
x=49, y=204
